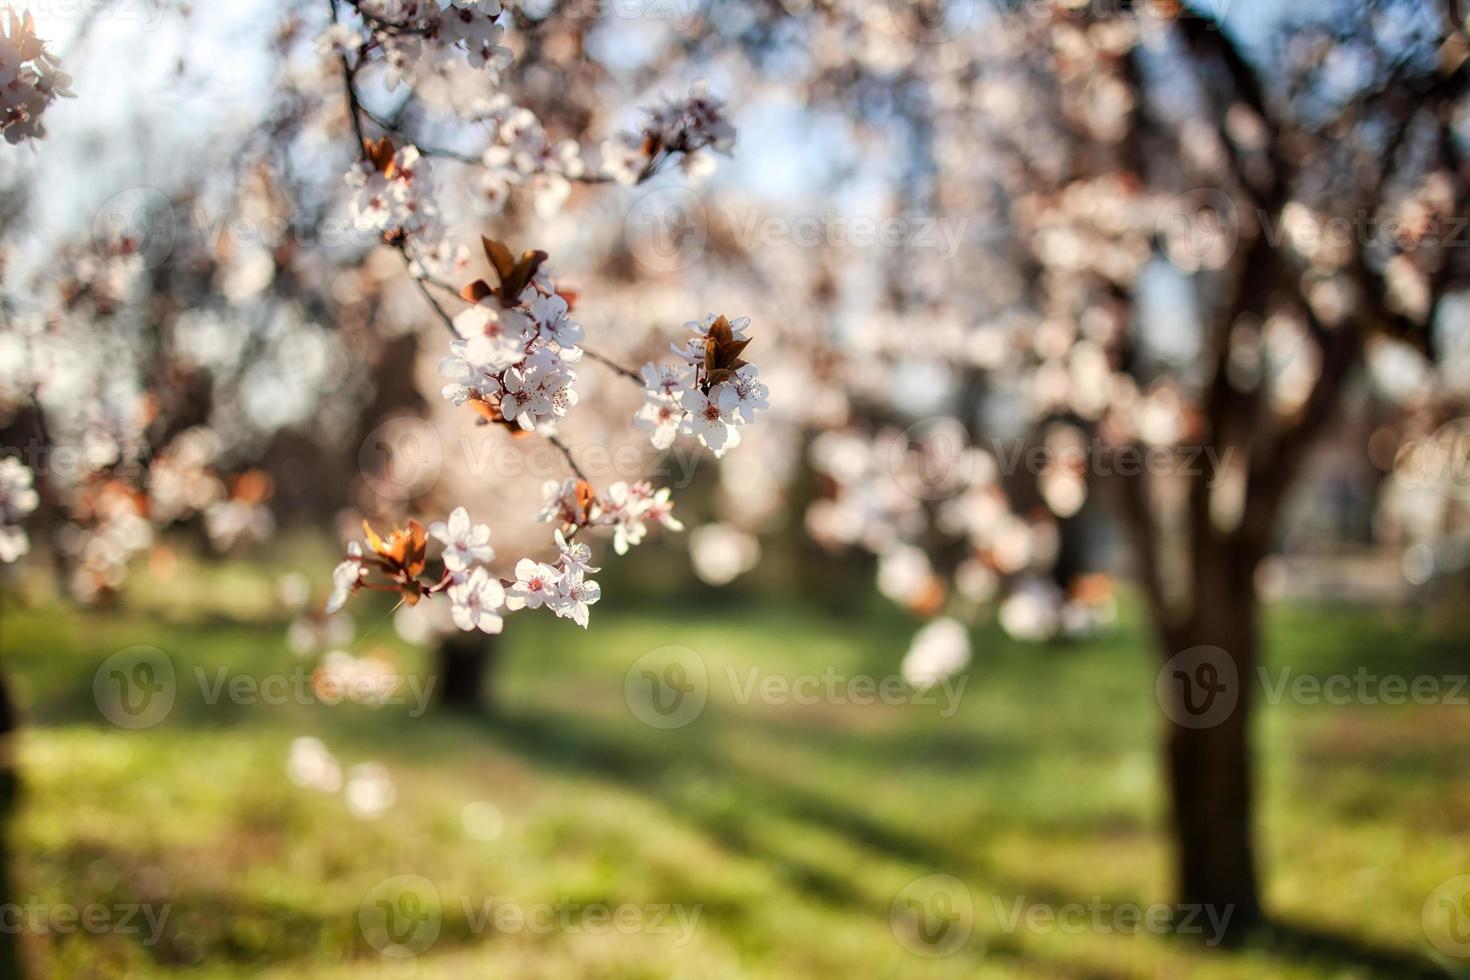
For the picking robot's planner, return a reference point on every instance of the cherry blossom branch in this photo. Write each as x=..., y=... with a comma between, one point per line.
x=602, y=359
x=389, y=126
x=444, y=317
x=448, y=321
x=614, y=366
x=567, y=452
x=354, y=109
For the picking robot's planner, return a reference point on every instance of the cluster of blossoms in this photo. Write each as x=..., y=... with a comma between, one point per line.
x=683, y=126
x=521, y=154
x=627, y=509
x=712, y=393
x=30, y=78
x=513, y=359
x=390, y=198
x=415, y=36
x=516, y=347
x=17, y=499
x=479, y=599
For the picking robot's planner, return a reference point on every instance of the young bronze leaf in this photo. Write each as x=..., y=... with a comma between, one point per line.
x=500, y=258
x=512, y=287
x=380, y=153
x=476, y=291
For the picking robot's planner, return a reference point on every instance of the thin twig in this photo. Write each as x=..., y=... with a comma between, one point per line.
x=354, y=110
x=614, y=366
x=444, y=317
x=565, y=451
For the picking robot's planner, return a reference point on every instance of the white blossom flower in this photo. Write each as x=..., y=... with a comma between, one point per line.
x=574, y=596
x=707, y=420
x=536, y=584
x=464, y=542
x=743, y=395
x=661, y=419
x=401, y=55
x=493, y=340
x=346, y=577
x=667, y=380
x=474, y=602
x=484, y=50
x=629, y=509
x=546, y=316
x=575, y=555
x=538, y=390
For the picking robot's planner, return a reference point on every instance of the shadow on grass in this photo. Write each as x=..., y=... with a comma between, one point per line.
x=574, y=746
x=1336, y=951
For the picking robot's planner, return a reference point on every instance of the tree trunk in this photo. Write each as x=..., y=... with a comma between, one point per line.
x=465, y=667
x=1210, y=672
x=10, y=946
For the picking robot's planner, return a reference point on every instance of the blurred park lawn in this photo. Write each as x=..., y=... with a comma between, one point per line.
x=792, y=827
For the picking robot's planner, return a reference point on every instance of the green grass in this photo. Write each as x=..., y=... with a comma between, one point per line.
x=791, y=829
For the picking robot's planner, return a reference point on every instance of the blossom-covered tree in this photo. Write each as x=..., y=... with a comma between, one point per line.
x=1201, y=238
x=1147, y=285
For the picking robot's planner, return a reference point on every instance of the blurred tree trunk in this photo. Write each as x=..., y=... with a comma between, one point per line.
x=10, y=943
x=1209, y=758
x=1206, y=699
x=465, y=666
